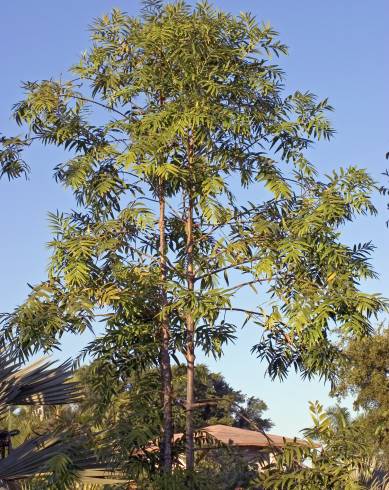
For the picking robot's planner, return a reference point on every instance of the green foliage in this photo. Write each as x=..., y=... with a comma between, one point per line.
x=131, y=418
x=137, y=399
x=365, y=376
x=183, y=83
x=230, y=407
x=174, y=120
x=227, y=471
x=11, y=163
x=336, y=457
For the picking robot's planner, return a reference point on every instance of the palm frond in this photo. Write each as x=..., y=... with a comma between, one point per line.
x=44, y=383
x=36, y=384
x=30, y=458
x=34, y=458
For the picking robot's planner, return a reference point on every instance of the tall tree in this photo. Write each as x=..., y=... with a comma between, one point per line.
x=192, y=187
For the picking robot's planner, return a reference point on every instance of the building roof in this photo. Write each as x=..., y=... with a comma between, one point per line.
x=225, y=434
x=247, y=438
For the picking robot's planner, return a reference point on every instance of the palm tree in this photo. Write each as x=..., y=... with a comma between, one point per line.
x=41, y=383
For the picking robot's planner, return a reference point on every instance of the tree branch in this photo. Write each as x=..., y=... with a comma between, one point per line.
x=243, y=284
x=242, y=310
x=221, y=269
x=92, y=101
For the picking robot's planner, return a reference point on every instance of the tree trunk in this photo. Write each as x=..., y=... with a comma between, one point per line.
x=166, y=373
x=190, y=326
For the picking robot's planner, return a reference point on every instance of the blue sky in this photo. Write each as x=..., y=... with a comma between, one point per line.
x=338, y=49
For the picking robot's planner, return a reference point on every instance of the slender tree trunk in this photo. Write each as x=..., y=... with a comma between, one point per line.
x=190, y=324
x=166, y=373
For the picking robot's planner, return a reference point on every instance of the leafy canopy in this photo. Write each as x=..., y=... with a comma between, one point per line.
x=188, y=101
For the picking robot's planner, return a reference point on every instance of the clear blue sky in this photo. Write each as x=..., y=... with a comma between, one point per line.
x=338, y=49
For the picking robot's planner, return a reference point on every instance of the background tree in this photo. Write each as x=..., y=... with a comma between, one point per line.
x=189, y=170
x=365, y=377
x=230, y=409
